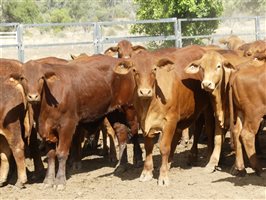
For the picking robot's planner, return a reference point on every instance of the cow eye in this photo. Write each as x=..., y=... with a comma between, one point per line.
x=154, y=69
x=22, y=78
x=218, y=66
x=134, y=70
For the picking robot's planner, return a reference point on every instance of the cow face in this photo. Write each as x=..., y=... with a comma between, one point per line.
x=33, y=78
x=211, y=65
x=124, y=49
x=144, y=68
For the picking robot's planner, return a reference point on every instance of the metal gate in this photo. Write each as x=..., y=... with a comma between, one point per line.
x=29, y=41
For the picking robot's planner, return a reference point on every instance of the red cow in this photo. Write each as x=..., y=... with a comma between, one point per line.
x=166, y=99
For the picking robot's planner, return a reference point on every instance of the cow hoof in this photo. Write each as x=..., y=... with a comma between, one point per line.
x=237, y=172
x=120, y=169
x=210, y=168
x=38, y=176
x=46, y=186
x=20, y=185
x=138, y=164
x=76, y=166
x=192, y=159
x=2, y=183
x=60, y=187
x=163, y=181
x=145, y=176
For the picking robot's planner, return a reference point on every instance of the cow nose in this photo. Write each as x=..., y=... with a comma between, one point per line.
x=145, y=92
x=207, y=85
x=33, y=97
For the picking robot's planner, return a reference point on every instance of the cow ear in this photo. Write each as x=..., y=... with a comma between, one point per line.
x=14, y=79
x=165, y=63
x=192, y=68
x=50, y=76
x=228, y=65
x=112, y=51
x=138, y=48
x=123, y=67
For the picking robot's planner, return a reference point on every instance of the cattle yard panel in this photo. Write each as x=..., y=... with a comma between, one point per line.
x=60, y=39
x=248, y=28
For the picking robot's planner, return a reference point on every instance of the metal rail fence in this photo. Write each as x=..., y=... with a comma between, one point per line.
x=23, y=36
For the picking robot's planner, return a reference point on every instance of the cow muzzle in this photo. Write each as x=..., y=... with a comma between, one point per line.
x=33, y=98
x=145, y=92
x=209, y=86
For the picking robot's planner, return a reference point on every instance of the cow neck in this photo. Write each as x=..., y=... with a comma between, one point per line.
x=221, y=99
x=142, y=106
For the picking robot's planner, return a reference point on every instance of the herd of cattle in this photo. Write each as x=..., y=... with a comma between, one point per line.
x=162, y=91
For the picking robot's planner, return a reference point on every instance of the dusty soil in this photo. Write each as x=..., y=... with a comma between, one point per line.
x=96, y=180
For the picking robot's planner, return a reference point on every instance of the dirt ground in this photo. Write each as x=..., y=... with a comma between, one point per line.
x=96, y=180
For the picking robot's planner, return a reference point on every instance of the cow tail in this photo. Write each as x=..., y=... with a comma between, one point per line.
x=231, y=111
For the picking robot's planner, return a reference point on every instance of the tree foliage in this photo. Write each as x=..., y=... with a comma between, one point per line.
x=36, y=11
x=157, y=9
x=25, y=11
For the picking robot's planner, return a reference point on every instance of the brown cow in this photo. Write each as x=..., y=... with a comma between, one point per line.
x=12, y=119
x=232, y=42
x=247, y=108
x=124, y=49
x=250, y=49
x=166, y=99
x=216, y=68
x=126, y=115
x=64, y=95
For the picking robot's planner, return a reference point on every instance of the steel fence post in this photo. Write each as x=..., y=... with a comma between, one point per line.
x=257, y=27
x=20, y=42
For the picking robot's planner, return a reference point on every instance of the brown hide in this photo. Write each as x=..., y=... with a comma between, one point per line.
x=72, y=93
x=12, y=114
x=216, y=68
x=52, y=60
x=232, y=42
x=165, y=99
x=124, y=49
x=250, y=49
x=247, y=107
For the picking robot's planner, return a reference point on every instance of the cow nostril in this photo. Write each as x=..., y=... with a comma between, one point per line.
x=149, y=91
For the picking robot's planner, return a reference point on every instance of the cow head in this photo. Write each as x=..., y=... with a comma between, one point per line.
x=212, y=66
x=33, y=79
x=144, y=68
x=124, y=49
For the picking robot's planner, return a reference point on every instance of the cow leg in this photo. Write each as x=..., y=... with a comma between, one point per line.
x=185, y=137
x=218, y=141
x=238, y=169
x=121, y=131
x=176, y=140
x=108, y=130
x=74, y=160
x=50, y=173
x=36, y=156
x=17, y=148
x=5, y=154
x=65, y=138
x=165, y=145
x=194, y=149
x=146, y=173
x=248, y=139
x=131, y=117
x=209, y=120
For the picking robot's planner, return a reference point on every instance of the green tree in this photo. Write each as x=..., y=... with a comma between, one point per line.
x=157, y=9
x=25, y=11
